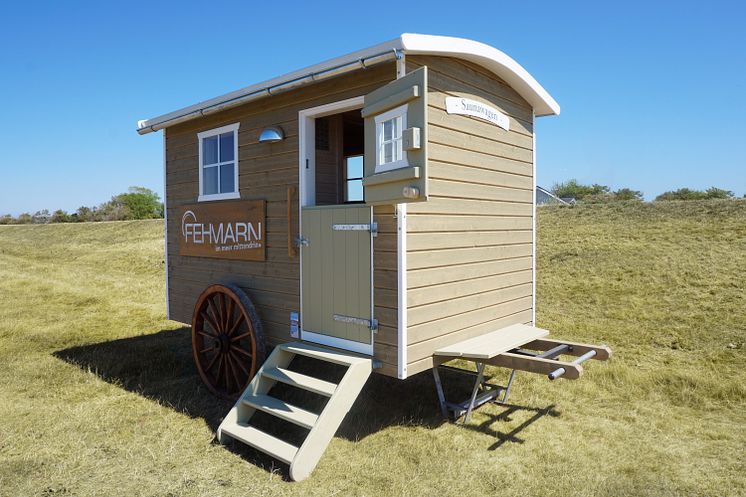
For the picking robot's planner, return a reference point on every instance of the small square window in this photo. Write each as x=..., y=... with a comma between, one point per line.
x=218, y=175
x=390, y=152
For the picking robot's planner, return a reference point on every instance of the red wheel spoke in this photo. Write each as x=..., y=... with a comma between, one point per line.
x=235, y=324
x=239, y=337
x=208, y=335
x=242, y=351
x=224, y=311
x=215, y=316
x=220, y=370
x=212, y=362
x=206, y=316
x=217, y=303
x=229, y=360
x=229, y=316
x=208, y=349
x=238, y=362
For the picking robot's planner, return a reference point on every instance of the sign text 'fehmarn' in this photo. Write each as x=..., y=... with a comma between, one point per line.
x=225, y=230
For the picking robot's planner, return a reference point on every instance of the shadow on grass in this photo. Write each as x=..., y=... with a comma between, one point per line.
x=160, y=367
x=504, y=416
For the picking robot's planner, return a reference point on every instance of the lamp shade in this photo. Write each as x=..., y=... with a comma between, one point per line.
x=271, y=134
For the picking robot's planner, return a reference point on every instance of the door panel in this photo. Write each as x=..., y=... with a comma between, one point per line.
x=336, y=274
x=398, y=185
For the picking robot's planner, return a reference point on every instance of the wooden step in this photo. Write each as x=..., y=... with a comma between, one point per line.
x=323, y=354
x=281, y=409
x=264, y=442
x=321, y=428
x=300, y=380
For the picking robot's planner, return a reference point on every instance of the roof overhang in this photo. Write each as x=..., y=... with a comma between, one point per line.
x=415, y=44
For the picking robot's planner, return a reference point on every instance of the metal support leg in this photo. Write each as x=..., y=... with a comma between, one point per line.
x=441, y=395
x=477, y=384
x=507, y=388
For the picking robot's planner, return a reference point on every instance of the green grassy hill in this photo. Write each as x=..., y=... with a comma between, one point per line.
x=98, y=395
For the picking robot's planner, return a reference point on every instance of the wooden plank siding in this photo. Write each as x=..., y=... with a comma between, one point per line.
x=469, y=247
x=265, y=172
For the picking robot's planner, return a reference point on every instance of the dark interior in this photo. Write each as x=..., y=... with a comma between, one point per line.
x=339, y=151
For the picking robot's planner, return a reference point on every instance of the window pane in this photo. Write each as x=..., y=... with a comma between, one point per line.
x=355, y=167
x=227, y=179
x=398, y=151
x=210, y=150
x=210, y=180
x=226, y=147
x=388, y=130
x=396, y=127
x=387, y=154
x=355, y=190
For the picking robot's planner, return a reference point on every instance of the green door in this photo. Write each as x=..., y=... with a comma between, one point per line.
x=336, y=263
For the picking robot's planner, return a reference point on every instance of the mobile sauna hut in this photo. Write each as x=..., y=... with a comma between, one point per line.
x=376, y=211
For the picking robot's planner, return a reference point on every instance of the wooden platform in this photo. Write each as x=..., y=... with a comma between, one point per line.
x=494, y=343
x=518, y=347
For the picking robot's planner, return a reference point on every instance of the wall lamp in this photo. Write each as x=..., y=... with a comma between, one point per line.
x=271, y=134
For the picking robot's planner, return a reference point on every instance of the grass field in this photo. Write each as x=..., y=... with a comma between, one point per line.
x=98, y=395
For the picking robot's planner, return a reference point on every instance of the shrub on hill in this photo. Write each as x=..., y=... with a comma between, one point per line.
x=137, y=203
x=594, y=193
x=688, y=194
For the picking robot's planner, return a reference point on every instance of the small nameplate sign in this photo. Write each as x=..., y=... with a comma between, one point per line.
x=468, y=107
x=224, y=230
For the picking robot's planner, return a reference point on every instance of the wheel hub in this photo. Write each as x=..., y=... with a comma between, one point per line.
x=223, y=344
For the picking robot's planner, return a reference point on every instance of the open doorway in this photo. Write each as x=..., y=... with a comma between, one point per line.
x=336, y=257
x=331, y=139
x=339, y=158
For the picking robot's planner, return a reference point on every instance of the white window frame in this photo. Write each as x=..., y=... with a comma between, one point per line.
x=400, y=111
x=207, y=134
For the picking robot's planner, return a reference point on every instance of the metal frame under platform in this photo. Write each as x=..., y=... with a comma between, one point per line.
x=518, y=347
x=490, y=392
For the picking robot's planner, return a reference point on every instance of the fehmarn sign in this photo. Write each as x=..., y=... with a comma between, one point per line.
x=468, y=107
x=225, y=230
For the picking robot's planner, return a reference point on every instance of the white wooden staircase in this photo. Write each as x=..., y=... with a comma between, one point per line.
x=321, y=426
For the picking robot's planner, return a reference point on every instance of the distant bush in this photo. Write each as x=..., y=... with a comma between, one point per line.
x=573, y=189
x=137, y=203
x=594, y=193
x=627, y=194
x=688, y=194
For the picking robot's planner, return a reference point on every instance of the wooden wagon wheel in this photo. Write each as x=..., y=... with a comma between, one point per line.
x=227, y=339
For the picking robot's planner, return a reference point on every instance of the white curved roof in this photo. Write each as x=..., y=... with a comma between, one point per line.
x=483, y=55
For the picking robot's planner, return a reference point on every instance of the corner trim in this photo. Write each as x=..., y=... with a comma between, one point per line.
x=533, y=222
x=165, y=227
x=401, y=268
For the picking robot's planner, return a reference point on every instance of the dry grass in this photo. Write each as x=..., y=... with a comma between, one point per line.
x=98, y=395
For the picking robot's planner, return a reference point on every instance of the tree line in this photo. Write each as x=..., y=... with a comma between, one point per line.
x=136, y=203
x=596, y=193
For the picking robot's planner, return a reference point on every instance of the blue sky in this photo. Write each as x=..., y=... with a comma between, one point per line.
x=653, y=94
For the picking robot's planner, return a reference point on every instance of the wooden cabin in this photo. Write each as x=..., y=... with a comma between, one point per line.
x=381, y=203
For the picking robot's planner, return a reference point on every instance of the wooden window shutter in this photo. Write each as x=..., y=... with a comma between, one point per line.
x=403, y=184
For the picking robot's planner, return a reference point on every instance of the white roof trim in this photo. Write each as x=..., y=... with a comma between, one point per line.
x=490, y=58
x=479, y=53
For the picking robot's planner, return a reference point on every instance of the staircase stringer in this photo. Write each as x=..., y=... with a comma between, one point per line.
x=331, y=417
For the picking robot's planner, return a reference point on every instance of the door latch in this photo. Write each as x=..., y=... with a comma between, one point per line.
x=372, y=228
x=301, y=241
